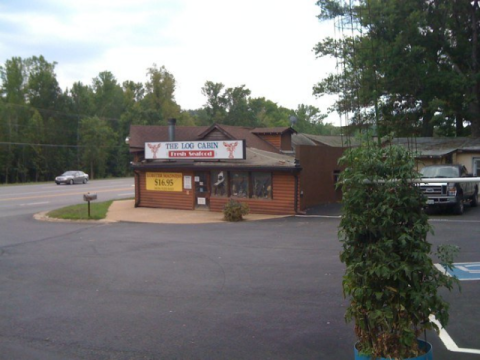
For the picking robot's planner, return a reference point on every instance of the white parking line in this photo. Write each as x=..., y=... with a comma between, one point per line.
x=432, y=220
x=320, y=216
x=37, y=203
x=126, y=194
x=454, y=221
x=448, y=341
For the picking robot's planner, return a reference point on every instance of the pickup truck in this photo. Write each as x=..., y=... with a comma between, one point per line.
x=449, y=194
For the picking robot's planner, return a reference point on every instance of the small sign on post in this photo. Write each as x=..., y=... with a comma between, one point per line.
x=89, y=197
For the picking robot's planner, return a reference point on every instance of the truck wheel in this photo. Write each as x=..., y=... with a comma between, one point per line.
x=474, y=202
x=458, y=208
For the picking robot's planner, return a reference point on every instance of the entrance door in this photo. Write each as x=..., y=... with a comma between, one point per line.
x=202, y=190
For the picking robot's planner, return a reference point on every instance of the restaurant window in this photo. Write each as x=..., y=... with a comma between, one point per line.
x=262, y=185
x=239, y=184
x=219, y=183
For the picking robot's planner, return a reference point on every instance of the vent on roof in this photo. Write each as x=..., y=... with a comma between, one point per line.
x=171, y=129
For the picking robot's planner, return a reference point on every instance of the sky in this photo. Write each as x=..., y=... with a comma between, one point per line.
x=266, y=45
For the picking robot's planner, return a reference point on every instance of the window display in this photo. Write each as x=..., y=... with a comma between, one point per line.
x=239, y=184
x=262, y=185
x=219, y=183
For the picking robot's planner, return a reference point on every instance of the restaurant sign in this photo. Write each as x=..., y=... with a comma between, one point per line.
x=192, y=150
x=158, y=181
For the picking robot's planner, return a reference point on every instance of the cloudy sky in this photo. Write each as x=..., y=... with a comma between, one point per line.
x=265, y=45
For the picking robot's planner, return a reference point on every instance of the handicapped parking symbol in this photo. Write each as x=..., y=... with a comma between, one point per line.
x=466, y=271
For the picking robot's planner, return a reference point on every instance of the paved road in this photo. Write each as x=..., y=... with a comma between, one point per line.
x=253, y=290
x=29, y=199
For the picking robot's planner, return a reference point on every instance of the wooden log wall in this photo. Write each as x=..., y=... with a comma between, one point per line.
x=180, y=200
x=273, y=139
x=282, y=202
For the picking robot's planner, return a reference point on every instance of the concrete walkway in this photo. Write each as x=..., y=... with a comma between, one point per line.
x=125, y=210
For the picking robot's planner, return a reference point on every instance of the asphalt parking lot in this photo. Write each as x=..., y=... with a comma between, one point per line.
x=266, y=289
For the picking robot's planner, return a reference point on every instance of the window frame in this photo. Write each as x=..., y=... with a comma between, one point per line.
x=250, y=187
x=252, y=190
x=226, y=175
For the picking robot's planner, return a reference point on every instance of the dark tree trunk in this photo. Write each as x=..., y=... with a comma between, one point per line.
x=427, y=128
x=475, y=119
x=459, y=129
x=474, y=107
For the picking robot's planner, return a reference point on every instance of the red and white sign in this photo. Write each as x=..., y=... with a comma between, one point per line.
x=192, y=150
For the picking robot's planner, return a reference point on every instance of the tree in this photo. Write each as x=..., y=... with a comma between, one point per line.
x=159, y=98
x=81, y=99
x=230, y=106
x=13, y=76
x=34, y=136
x=403, y=62
x=310, y=121
x=108, y=96
x=237, y=107
x=42, y=90
x=97, y=139
x=216, y=102
x=269, y=114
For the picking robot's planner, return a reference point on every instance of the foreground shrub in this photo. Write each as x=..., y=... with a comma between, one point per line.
x=234, y=210
x=389, y=279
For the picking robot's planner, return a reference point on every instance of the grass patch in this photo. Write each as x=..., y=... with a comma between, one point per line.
x=98, y=211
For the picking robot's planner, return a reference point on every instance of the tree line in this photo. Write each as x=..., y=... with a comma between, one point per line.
x=409, y=67
x=45, y=130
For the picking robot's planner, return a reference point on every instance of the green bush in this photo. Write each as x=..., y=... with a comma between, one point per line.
x=234, y=210
x=390, y=278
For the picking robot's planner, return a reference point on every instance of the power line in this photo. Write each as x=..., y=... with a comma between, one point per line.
x=58, y=146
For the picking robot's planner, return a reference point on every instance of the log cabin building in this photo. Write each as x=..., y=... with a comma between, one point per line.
x=200, y=167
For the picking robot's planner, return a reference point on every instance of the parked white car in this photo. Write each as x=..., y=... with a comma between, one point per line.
x=72, y=177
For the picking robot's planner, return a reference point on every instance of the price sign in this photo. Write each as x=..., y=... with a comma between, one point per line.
x=164, y=181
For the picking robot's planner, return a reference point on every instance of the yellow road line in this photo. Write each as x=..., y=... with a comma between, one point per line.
x=58, y=195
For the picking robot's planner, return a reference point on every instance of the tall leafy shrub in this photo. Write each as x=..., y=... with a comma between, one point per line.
x=390, y=278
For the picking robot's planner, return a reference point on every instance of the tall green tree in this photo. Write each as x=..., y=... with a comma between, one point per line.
x=43, y=91
x=310, y=121
x=108, y=96
x=230, y=106
x=34, y=136
x=268, y=113
x=403, y=63
x=97, y=140
x=237, y=106
x=215, y=107
x=160, y=96
x=13, y=76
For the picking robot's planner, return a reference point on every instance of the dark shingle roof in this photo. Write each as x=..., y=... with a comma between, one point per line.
x=330, y=140
x=140, y=134
x=275, y=130
x=255, y=160
x=431, y=146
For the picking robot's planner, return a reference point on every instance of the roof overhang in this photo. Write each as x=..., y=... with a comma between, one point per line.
x=197, y=166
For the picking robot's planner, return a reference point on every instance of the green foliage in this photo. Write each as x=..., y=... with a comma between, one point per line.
x=405, y=59
x=390, y=279
x=234, y=210
x=98, y=211
x=44, y=131
x=95, y=136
